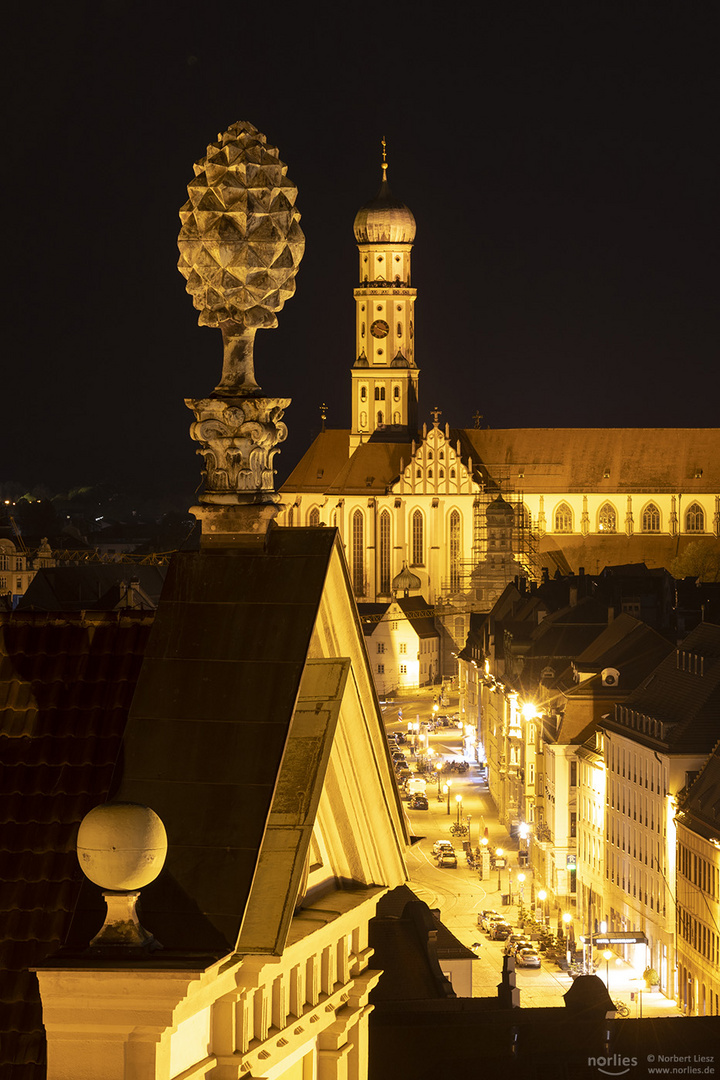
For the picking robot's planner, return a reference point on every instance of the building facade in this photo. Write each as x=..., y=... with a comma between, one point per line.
x=403, y=491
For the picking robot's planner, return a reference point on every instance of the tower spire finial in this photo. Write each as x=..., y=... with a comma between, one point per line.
x=384, y=165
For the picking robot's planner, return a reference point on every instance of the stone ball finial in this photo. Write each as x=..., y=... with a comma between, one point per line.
x=121, y=846
x=240, y=245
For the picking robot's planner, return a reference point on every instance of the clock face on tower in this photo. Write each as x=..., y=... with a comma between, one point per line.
x=379, y=328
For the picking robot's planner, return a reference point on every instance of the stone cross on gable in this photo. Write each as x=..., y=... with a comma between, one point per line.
x=477, y=417
x=436, y=414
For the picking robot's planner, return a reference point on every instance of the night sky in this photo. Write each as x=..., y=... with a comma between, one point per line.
x=561, y=160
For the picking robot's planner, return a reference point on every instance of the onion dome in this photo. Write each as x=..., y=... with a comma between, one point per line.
x=405, y=581
x=399, y=360
x=362, y=360
x=499, y=509
x=384, y=220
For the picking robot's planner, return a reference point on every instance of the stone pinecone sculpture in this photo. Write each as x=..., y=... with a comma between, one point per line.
x=240, y=242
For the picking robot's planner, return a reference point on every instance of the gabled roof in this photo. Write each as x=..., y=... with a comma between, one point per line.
x=417, y=610
x=329, y=467
x=700, y=808
x=66, y=683
x=92, y=587
x=540, y=460
x=221, y=746
x=683, y=693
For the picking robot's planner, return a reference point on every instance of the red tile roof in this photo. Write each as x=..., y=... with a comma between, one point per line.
x=66, y=682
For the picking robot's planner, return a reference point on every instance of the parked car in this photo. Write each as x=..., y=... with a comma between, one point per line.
x=514, y=944
x=442, y=847
x=500, y=931
x=483, y=916
x=418, y=802
x=403, y=774
x=448, y=860
x=400, y=738
x=527, y=958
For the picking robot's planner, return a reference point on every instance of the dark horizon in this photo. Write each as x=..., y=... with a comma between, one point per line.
x=561, y=166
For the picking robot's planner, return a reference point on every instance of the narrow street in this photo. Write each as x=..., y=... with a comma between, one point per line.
x=460, y=894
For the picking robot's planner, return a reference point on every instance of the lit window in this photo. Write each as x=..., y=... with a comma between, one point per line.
x=607, y=518
x=695, y=518
x=417, y=539
x=563, y=519
x=358, y=553
x=651, y=518
x=454, y=551
x=385, y=553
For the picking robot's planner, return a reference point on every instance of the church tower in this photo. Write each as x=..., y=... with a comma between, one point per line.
x=384, y=375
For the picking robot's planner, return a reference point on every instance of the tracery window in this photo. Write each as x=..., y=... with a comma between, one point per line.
x=314, y=516
x=418, y=546
x=695, y=518
x=454, y=545
x=522, y=516
x=563, y=519
x=651, y=518
x=385, y=553
x=607, y=518
x=358, y=553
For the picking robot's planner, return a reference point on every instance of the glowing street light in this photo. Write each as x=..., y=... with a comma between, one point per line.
x=606, y=956
x=458, y=803
x=542, y=897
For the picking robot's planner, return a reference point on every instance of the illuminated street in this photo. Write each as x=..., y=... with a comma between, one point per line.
x=460, y=895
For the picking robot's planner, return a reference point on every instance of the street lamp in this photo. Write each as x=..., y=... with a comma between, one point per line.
x=446, y=791
x=458, y=803
x=606, y=956
x=438, y=767
x=542, y=897
x=469, y=819
x=498, y=855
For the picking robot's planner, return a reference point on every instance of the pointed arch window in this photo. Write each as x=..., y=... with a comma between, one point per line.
x=385, y=553
x=695, y=518
x=563, y=519
x=522, y=516
x=455, y=550
x=418, y=539
x=358, y=553
x=607, y=518
x=651, y=518
x=314, y=516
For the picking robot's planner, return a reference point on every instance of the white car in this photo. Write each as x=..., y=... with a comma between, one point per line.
x=442, y=847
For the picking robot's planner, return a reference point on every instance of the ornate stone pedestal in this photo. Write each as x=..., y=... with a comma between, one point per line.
x=238, y=438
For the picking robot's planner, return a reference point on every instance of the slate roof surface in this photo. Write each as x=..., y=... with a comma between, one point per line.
x=66, y=682
x=688, y=702
x=549, y=459
x=208, y=727
x=392, y=905
x=90, y=587
x=701, y=804
x=415, y=608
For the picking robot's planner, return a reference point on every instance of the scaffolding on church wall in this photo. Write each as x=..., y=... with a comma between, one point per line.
x=476, y=579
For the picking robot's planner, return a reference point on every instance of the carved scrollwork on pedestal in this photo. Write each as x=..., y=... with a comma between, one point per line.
x=238, y=440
